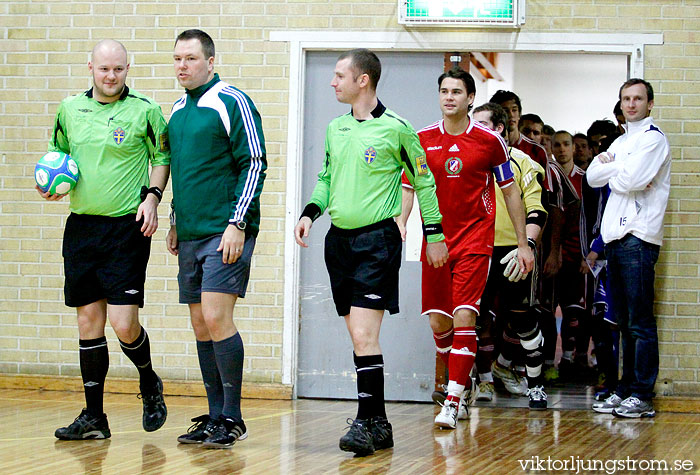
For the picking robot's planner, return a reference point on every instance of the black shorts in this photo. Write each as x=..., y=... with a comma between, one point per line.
x=363, y=265
x=502, y=294
x=104, y=258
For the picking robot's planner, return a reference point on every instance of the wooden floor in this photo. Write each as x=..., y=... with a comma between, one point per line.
x=302, y=437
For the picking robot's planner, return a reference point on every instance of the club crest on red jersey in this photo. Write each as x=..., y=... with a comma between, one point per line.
x=453, y=165
x=370, y=154
x=118, y=135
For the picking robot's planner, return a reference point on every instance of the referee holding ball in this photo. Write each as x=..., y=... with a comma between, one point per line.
x=112, y=133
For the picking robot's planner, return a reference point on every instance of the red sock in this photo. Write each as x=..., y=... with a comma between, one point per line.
x=443, y=345
x=462, y=358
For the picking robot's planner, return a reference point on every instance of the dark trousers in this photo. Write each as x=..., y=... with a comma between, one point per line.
x=631, y=285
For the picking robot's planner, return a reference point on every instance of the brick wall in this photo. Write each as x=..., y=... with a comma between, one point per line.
x=43, y=55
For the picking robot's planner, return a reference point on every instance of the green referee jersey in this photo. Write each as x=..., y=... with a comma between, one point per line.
x=360, y=182
x=113, y=145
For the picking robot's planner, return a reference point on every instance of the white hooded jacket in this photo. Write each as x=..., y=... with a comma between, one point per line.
x=639, y=180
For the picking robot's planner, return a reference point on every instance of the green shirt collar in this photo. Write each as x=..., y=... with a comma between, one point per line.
x=198, y=91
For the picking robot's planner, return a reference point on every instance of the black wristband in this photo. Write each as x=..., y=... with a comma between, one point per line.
x=154, y=189
x=537, y=217
x=312, y=211
x=429, y=229
x=532, y=243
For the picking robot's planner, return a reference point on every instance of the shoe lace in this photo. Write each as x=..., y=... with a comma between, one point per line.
x=631, y=401
x=612, y=399
x=199, y=423
x=151, y=400
x=83, y=421
x=355, y=427
x=537, y=393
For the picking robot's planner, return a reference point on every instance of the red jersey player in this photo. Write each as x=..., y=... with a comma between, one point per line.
x=464, y=157
x=573, y=272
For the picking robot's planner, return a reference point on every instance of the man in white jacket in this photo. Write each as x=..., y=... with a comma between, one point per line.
x=637, y=167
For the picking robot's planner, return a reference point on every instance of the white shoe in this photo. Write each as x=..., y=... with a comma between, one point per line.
x=511, y=381
x=447, y=419
x=485, y=391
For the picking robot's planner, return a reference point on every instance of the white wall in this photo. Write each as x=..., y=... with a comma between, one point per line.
x=569, y=91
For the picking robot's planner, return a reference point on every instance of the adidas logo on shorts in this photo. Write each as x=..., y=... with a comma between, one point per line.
x=131, y=292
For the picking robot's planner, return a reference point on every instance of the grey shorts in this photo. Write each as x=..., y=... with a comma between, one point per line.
x=202, y=270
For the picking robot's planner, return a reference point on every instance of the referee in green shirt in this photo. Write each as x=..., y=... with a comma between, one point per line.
x=112, y=133
x=360, y=185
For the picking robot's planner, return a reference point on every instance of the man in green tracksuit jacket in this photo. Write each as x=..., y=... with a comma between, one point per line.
x=360, y=185
x=218, y=169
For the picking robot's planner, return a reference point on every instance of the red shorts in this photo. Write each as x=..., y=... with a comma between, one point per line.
x=458, y=284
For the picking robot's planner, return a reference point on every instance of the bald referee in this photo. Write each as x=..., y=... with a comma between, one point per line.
x=113, y=133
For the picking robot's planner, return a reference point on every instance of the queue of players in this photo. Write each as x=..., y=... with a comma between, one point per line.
x=497, y=261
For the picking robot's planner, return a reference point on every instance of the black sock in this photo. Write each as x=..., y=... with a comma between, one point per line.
x=94, y=363
x=370, y=386
x=211, y=377
x=139, y=352
x=229, y=359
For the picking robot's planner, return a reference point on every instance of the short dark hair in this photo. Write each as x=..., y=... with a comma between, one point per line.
x=532, y=118
x=363, y=61
x=498, y=115
x=632, y=82
x=547, y=130
x=564, y=132
x=617, y=110
x=602, y=127
x=582, y=136
x=207, y=43
x=461, y=74
x=502, y=96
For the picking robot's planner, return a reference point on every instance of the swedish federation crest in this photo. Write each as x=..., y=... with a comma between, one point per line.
x=118, y=135
x=370, y=155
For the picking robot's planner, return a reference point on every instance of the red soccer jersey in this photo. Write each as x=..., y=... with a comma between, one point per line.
x=463, y=166
x=571, y=239
x=538, y=154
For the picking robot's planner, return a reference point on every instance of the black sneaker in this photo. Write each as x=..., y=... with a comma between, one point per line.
x=85, y=426
x=154, y=410
x=226, y=433
x=358, y=439
x=438, y=396
x=203, y=427
x=538, y=398
x=382, y=434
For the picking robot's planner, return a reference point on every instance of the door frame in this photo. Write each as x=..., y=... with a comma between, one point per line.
x=300, y=42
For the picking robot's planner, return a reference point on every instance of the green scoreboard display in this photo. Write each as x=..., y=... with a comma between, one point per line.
x=462, y=12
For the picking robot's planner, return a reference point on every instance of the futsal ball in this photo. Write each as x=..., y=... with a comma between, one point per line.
x=57, y=173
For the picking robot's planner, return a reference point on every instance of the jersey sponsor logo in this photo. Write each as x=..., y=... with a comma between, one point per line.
x=454, y=148
x=86, y=111
x=422, y=165
x=163, y=142
x=344, y=129
x=439, y=147
x=370, y=155
x=453, y=165
x=118, y=135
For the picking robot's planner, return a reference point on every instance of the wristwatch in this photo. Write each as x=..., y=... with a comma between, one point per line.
x=240, y=225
